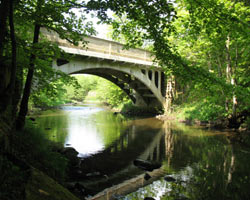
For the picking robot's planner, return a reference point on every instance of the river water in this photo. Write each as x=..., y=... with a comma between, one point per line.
x=203, y=164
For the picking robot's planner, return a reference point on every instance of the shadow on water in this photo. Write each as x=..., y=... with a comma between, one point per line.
x=203, y=163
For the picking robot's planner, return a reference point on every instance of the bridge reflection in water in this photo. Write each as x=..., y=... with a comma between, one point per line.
x=157, y=146
x=142, y=139
x=112, y=159
x=187, y=152
x=202, y=162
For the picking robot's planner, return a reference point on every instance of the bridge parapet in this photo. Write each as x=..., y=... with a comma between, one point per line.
x=104, y=49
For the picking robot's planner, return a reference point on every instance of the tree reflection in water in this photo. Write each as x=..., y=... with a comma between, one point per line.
x=204, y=164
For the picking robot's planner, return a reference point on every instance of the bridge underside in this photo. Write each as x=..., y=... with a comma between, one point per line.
x=145, y=86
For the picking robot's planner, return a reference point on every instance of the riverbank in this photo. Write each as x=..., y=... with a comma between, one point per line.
x=219, y=124
x=239, y=135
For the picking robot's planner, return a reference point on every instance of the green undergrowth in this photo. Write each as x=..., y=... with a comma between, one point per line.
x=206, y=112
x=202, y=111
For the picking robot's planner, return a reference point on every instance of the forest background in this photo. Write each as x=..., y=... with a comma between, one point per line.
x=202, y=45
x=205, y=58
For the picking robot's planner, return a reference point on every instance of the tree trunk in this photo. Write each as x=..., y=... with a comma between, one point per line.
x=169, y=94
x=4, y=76
x=14, y=61
x=8, y=78
x=220, y=75
x=4, y=13
x=231, y=80
x=4, y=67
x=26, y=93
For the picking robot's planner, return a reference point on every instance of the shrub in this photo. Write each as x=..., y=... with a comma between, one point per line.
x=204, y=111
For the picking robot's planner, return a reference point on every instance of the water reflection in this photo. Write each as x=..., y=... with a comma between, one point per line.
x=82, y=132
x=87, y=128
x=108, y=143
x=204, y=163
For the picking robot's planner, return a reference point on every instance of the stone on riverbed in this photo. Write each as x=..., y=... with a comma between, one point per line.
x=169, y=179
x=147, y=177
x=149, y=198
x=146, y=165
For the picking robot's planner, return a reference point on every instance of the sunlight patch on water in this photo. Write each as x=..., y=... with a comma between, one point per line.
x=82, y=134
x=85, y=144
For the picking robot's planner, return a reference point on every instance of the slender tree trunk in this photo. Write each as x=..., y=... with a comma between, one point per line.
x=4, y=67
x=26, y=93
x=233, y=82
x=4, y=76
x=230, y=77
x=14, y=60
x=170, y=92
x=4, y=13
x=220, y=75
x=8, y=78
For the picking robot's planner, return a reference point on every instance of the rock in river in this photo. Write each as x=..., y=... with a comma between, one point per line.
x=146, y=165
x=147, y=177
x=169, y=179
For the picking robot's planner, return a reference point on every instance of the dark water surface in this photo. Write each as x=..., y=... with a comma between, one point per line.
x=204, y=164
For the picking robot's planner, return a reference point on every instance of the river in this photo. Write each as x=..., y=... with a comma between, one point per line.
x=202, y=164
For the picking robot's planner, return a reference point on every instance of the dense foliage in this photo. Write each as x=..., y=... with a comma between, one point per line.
x=111, y=94
x=204, y=44
x=84, y=88
x=61, y=91
x=215, y=39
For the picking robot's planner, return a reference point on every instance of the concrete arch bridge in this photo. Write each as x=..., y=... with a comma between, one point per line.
x=132, y=70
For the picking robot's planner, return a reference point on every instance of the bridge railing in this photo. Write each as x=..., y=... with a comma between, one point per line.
x=106, y=49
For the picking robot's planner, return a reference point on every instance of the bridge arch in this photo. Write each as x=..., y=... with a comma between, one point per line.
x=144, y=86
x=131, y=69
